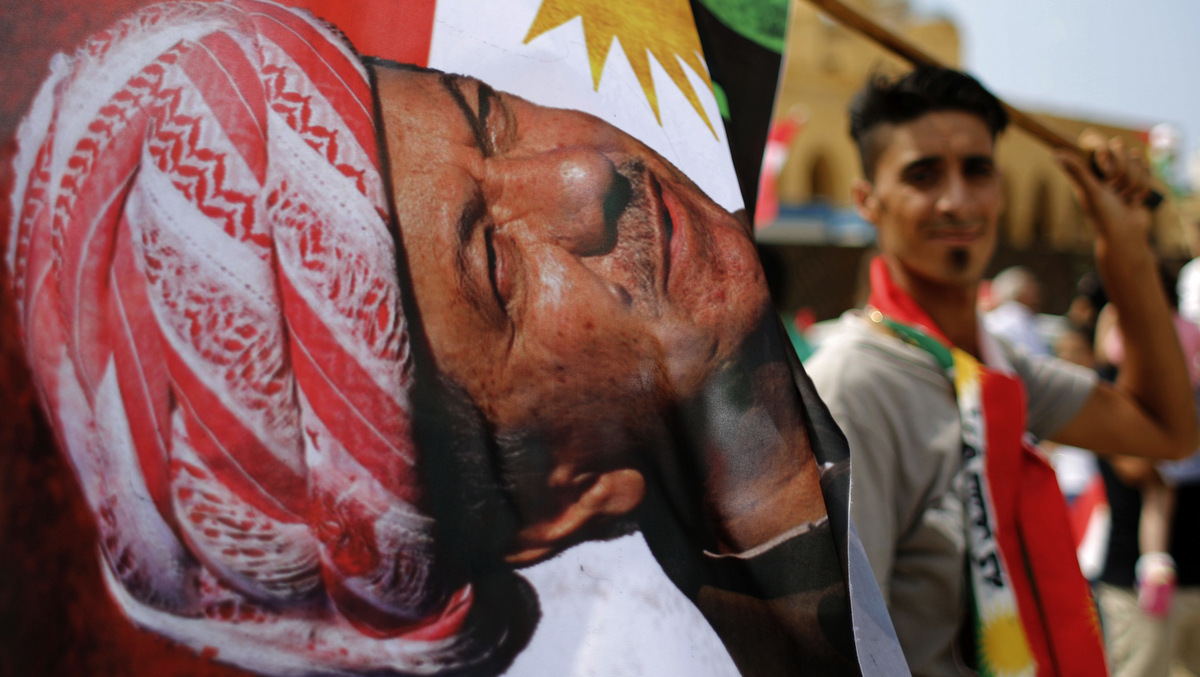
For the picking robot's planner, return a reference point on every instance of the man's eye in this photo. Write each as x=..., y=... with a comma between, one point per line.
x=922, y=176
x=980, y=170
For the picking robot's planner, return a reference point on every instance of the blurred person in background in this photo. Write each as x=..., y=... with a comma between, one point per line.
x=1188, y=285
x=1074, y=467
x=1086, y=304
x=1017, y=296
x=1148, y=592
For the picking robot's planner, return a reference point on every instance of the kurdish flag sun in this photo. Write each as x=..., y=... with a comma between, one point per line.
x=637, y=65
x=634, y=64
x=663, y=31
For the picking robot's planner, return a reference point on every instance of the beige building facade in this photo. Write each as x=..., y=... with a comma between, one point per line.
x=825, y=64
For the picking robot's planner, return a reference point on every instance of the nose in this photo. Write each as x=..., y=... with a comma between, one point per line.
x=956, y=195
x=571, y=197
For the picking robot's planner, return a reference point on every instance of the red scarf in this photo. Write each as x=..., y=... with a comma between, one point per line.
x=1026, y=519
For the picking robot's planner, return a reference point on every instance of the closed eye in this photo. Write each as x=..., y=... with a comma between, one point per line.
x=473, y=212
x=477, y=258
x=489, y=242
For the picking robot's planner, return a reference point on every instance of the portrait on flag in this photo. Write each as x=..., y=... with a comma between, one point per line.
x=424, y=338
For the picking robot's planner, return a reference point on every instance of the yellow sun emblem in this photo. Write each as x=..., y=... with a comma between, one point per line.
x=1003, y=648
x=664, y=29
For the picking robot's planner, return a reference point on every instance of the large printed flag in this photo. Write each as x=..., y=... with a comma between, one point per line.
x=423, y=338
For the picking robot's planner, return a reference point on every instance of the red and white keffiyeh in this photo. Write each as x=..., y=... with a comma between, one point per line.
x=206, y=282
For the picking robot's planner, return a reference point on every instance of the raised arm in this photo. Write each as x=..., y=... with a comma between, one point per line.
x=1150, y=410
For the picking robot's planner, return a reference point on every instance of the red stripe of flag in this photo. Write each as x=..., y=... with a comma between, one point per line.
x=1084, y=507
x=1003, y=399
x=1063, y=594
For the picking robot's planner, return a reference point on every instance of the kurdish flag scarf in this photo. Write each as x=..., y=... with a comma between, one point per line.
x=1033, y=609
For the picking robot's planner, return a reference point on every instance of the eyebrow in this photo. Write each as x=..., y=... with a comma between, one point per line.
x=478, y=122
x=926, y=161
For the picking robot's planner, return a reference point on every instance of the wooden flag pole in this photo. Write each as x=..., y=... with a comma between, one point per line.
x=906, y=50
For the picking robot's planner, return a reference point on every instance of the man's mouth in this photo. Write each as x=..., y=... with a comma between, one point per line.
x=671, y=220
x=664, y=226
x=649, y=229
x=958, y=235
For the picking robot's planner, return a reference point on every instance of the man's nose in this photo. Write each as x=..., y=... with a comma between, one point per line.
x=571, y=197
x=955, y=196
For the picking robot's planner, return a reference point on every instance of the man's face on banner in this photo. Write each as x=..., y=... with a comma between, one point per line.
x=563, y=270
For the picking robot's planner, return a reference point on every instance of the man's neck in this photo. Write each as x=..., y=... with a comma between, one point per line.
x=951, y=307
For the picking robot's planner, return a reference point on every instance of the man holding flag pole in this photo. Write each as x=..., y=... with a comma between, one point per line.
x=963, y=523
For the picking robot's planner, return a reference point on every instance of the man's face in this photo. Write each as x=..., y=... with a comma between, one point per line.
x=936, y=197
x=564, y=272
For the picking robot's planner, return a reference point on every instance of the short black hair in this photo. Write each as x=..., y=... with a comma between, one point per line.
x=926, y=89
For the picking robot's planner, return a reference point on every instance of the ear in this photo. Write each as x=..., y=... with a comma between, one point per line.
x=865, y=202
x=598, y=498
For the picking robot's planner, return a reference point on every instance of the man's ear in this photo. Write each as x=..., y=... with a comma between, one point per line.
x=598, y=497
x=865, y=202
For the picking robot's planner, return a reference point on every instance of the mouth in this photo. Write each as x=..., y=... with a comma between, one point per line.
x=656, y=232
x=957, y=235
x=669, y=213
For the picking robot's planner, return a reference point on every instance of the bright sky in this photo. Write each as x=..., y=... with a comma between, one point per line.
x=1129, y=62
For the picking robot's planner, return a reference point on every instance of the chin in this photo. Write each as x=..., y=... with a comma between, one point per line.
x=959, y=260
